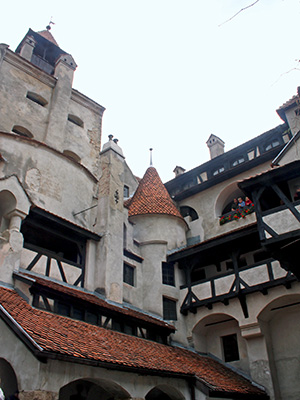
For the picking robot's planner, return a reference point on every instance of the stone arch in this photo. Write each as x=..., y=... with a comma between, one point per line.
x=225, y=199
x=8, y=203
x=187, y=211
x=93, y=389
x=280, y=324
x=14, y=203
x=8, y=378
x=208, y=337
x=164, y=392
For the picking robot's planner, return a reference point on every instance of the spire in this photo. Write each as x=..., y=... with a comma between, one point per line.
x=151, y=157
x=151, y=197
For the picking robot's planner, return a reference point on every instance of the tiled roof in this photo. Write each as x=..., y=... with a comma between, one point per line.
x=91, y=298
x=62, y=337
x=151, y=197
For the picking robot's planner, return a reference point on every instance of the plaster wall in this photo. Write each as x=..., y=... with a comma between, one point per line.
x=84, y=141
x=18, y=77
x=160, y=228
x=292, y=154
x=15, y=108
x=281, y=222
x=52, y=181
x=265, y=351
x=53, y=375
x=293, y=119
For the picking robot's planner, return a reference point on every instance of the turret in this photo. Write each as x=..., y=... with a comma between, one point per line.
x=158, y=228
x=215, y=145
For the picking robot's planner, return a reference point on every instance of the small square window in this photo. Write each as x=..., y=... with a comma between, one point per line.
x=128, y=274
x=168, y=276
x=169, y=309
x=230, y=348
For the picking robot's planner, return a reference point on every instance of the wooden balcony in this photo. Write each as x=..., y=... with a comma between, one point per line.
x=237, y=283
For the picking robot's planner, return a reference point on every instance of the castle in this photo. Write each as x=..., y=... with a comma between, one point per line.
x=115, y=287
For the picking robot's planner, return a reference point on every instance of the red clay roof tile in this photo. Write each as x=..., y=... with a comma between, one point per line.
x=93, y=299
x=151, y=197
x=63, y=336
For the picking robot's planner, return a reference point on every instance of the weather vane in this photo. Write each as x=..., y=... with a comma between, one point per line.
x=48, y=27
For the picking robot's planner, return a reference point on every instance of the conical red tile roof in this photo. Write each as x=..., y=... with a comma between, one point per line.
x=151, y=197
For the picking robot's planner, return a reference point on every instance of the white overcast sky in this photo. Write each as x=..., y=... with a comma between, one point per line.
x=168, y=74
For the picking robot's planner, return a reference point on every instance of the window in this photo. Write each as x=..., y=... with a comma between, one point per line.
x=36, y=98
x=186, y=211
x=218, y=171
x=168, y=276
x=169, y=309
x=230, y=348
x=270, y=146
x=128, y=274
x=126, y=191
x=72, y=155
x=75, y=120
x=238, y=161
x=20, y=130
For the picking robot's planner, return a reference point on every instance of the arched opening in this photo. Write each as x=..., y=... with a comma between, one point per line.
x=280, y=324
x=164, y=392
x=187, y=211
x=220, y=335
x=20, y=130
x=92, y=389
x=8, y=378
x=225, y=199
x=7, y=204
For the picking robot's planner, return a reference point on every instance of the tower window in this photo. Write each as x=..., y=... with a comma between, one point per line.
x=168, y=276
x=230, y=348
x=126, y=191
x=128, y=274
x=75, y=120
x=20, y=130
x=36, y=98
x=169, y=309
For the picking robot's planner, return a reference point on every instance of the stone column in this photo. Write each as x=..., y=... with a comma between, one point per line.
x=58, y=115
x=259, y=363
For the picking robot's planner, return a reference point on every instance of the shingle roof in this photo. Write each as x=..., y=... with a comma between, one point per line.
x=91, y=298
x=151, y=197
x=64, y=338
x=48, y=35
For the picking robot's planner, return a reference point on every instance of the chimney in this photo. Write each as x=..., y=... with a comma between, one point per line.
x=215, y=145
x=178, y=170
x=27, y=48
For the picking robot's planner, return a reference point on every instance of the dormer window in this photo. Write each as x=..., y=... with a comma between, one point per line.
x=274, y=143
x=218, y=171
x=238, y=161
x=75, y=120
x=36, y=98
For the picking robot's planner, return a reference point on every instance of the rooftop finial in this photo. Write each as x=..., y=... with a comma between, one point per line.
x=151, y=157
x=48, y=27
